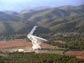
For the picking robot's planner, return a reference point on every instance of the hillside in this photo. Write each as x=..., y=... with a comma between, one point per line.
x=57, y=19
x=61, y=19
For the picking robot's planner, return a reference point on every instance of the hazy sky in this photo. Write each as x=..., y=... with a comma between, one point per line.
x=18, y=5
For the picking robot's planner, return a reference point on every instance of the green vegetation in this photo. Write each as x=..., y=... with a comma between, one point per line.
x=60, y=19
x=50, y=22
x=17, y=25
x=38, y=58
x=71, y=42
x=59, y=52
x=2, y=27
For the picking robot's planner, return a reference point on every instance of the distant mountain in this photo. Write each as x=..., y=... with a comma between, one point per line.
x=61, y=19
x=57, y=19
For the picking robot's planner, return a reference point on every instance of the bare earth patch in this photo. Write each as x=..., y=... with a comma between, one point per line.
x=20, y=43
x=78, y=54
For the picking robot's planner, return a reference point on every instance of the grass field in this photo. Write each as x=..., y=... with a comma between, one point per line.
x=56, y=52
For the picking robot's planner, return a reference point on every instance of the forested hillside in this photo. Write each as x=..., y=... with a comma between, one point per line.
x=57, y=19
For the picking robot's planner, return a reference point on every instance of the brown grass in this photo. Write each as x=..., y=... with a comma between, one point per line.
x=20, y=43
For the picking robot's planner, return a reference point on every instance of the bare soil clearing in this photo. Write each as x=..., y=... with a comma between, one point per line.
x=20, y=43
x=78, y=54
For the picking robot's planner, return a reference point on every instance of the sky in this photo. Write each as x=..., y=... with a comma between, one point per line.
x=18, y=5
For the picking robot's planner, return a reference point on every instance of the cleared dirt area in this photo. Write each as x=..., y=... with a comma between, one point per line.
x=20, y=43
x=78, y=54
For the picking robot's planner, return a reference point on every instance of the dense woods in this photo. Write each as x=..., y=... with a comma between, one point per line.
x=37, y=58
x=72, y=42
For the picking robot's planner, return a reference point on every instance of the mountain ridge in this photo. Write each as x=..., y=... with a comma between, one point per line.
x=56, y=19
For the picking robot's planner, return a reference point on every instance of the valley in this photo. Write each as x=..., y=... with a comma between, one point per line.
x=63, y=27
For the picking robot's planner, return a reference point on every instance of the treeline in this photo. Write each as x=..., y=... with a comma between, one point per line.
x=71, y=42
x=38, y=58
